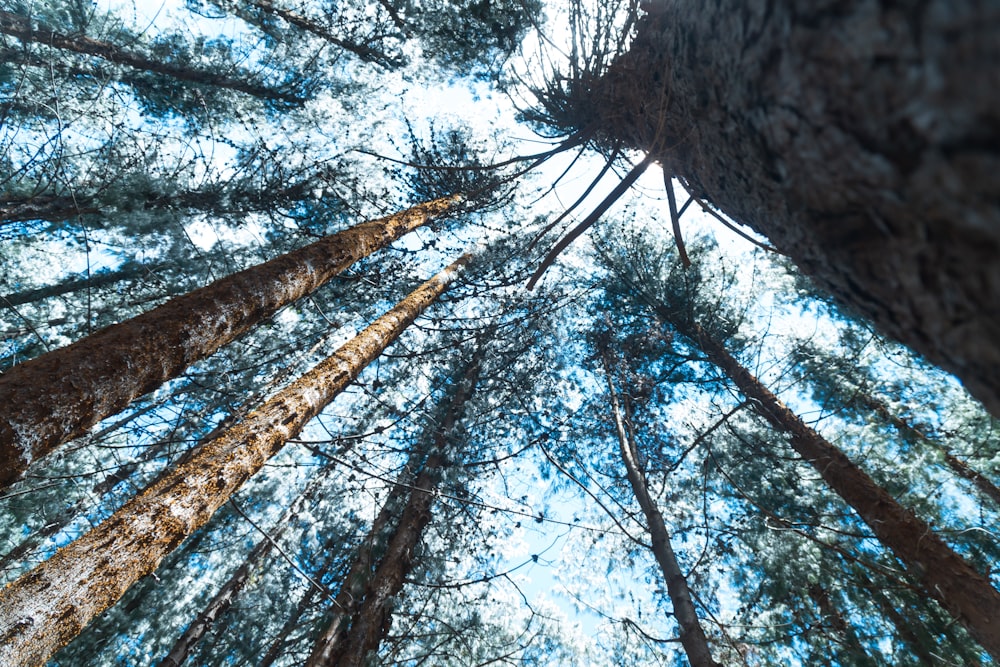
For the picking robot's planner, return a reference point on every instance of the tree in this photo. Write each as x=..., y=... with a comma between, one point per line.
x=362, y=611
x=944, y=575
x=131, y=543
x=101, y=374
x=857, y=139
x=692, y=635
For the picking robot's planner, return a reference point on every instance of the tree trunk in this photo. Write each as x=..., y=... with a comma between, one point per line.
x=693, y=637
x=49, y=605
x=128, y=272
x=842, y=630
x=982, y=483
x=862, y=138
x=943, y=574
x=58, y=396
x=20, y=27
x=229, y=591
x=361, y=613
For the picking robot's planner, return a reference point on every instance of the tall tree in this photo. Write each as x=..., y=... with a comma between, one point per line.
x=362, y=614
x=51, y=604
x=101, y=374
x=832, y=132
x=692, y=634
x=943, y=574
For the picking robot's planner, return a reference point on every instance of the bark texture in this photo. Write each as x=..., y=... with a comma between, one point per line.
x=693, y=637
x=58, y=396
x=943, y=574
x=861, y=137
x=49, y=605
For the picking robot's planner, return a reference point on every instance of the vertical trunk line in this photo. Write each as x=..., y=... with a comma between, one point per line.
x=51, y=604
x=693, y=637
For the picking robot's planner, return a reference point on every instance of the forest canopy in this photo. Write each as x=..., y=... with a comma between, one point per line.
x=469, y=332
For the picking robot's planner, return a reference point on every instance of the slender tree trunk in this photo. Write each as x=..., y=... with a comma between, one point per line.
x=917, y=641
x=862, y=138
x=129, y=272
x=843, y=630
x=693, y=637
x=230, y=590
x=372, y=618
x=944, y=575
x=19, y=26
x=43, y=207
x=364, y=52
x=58, y=396
x=982, y=483
x=360, y=615
x=52, y=603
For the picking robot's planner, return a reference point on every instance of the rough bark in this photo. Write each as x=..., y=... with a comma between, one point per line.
x=943, y=574
x=58, y=396
x=51, y=604
x=361, y=615
x=21, y=27
x=862, y=138
x=693, y=637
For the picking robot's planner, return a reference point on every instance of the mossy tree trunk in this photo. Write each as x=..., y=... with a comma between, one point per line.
x=862, y=138
x=51, y=604
x=58, y=396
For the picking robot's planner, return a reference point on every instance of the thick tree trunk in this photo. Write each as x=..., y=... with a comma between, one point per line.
x=943, y=574
x=693, y=637
x=361, y=615
x=230, y=590
x=49, y=605
x=21, y=27
x=862, y=138
x=59, y=395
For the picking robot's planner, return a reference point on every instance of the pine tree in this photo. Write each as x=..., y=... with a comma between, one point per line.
x=943, y=574
x=758, y=112
x=44, y=608
x=101, y=374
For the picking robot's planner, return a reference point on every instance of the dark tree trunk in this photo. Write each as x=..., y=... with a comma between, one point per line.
x=21, y=27
x=842, y=630
x=693, y=637
x=943, y=574
x=361, y=615
x=52, y=603
x=59, y=395
x=862, y=138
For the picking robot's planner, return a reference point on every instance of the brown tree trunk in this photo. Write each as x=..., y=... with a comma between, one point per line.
x=20, y=26
x=361, y=615
x=52, y=603
x=58, y=396
x=833, y=619
x=693, y=637
x=862, y=138
x=943, y=574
